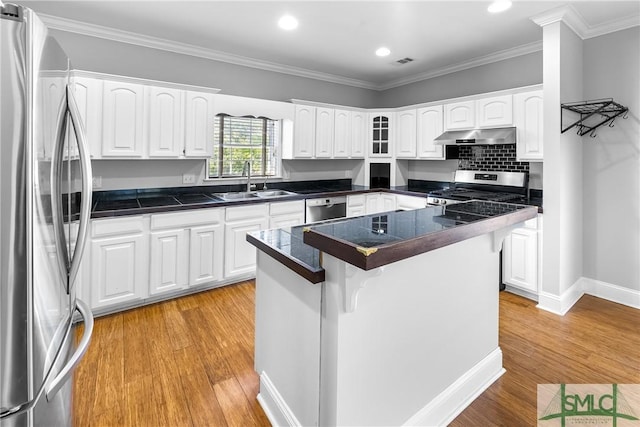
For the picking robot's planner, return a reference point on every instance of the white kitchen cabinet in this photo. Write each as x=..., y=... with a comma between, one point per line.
x=405, y=135
x=304, y=132
x=88, y=95
x=51, y=93
x=356, y=205
x=528, y=113
x=324, y=132
x=521, y=258
x=198, y=127
x=165, y=135
x=380, y=131
x=342, y=134
x=123, y=119
x=119, y=261
x=495, y=111
x=206, y=253
x=407, y=203
x=380, y=202
x=429, y=127
x=240, y=256
x=286, y=214
x=169, y=261
x=460, y=115
x=359, y=133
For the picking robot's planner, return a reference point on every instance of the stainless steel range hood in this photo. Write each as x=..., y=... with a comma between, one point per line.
x=478, y=137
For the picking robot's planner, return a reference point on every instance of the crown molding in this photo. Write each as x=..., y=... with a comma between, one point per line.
x=465, y=65
x=572, y=18
x=93, y=30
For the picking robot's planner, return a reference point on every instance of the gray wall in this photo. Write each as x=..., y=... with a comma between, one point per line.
x=106, y=56
x=612, y=162
x=520, y=71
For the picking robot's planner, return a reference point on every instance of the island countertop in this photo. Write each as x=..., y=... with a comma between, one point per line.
x=372, y=241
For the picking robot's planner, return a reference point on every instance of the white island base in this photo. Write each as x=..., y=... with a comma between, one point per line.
x=410, y=343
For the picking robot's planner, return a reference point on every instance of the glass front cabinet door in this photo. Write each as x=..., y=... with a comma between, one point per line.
x=380, y=134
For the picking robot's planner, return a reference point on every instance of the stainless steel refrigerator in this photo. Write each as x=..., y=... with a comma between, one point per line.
x=45, y=197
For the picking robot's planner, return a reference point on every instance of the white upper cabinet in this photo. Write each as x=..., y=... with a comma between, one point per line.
x=405, y=137
x=88, y=95
x=166, y=120
x=123, y=119
x=198, y=135
x=528, y=111
x=429, y=128
x=324, y=132
x=359, y=126
x=380, y=134
x=460, y=115
x=342, y=134
x=304, y=132
x=495, y=111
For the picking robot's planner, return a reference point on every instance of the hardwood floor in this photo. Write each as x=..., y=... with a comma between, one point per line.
x=189, y=361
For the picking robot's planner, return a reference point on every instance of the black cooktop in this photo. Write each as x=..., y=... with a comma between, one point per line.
x=464, y=194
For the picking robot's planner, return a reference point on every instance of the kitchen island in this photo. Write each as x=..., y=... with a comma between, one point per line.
x=402, y=328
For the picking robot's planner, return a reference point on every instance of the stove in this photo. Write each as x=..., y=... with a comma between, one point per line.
x=508, y=187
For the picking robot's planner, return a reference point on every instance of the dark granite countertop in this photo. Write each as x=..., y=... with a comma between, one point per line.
x=375, y=240
x=157, y=200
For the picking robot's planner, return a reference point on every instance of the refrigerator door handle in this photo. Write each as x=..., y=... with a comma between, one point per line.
x=57, y=213
x=85, y=198
x=57, y=383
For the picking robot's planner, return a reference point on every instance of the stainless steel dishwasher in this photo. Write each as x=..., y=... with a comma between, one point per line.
x=326, y=208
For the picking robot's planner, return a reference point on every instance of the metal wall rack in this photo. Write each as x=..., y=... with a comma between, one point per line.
x=604, y=109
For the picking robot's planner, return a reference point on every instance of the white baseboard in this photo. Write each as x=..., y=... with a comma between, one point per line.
x=611, y=292
x=455, y=398
x=584, y=285
x=274, y=406
x=526, y=294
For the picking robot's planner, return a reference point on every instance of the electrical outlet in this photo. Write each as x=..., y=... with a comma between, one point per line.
x=188, y=178
x=96, y=182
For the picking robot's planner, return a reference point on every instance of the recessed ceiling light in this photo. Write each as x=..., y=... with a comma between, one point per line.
x=383, y=51
x=499, y=6
x=288, y=22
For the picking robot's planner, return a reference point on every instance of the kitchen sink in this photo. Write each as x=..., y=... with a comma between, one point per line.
x=274, y=193
x=244, y=195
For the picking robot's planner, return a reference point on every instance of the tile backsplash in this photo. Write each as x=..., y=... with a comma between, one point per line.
x=500, y=157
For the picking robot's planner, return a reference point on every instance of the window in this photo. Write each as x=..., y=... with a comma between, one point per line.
x=237, y=140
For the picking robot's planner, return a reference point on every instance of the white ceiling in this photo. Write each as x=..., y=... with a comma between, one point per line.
x=335, y=40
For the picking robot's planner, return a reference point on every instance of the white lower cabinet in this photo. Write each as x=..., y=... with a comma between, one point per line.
x=206, y=252
x=119, y=261
x=286, y=214
x=356, y=205
x=169, y=261
x=240, y=256
x=520, y=257
x=380, y=202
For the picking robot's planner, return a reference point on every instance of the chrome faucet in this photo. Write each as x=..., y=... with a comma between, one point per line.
x=247, y=169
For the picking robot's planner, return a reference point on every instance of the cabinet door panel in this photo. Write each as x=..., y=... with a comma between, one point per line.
x=169, y=260
x=460, y=115
x=119, y=270
x=123, y=119
x=359, y=134
x=304, y=132
x=166, y=133
x=88, y=94
x=528, y=113
x=206, y=254
x=286, y=220
x=324, y=132
x=520, y=259
x=198, y=124
x=342, y=134
x=240, y=256
x=405, y=139
x=429, y=128
x=495, y=111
